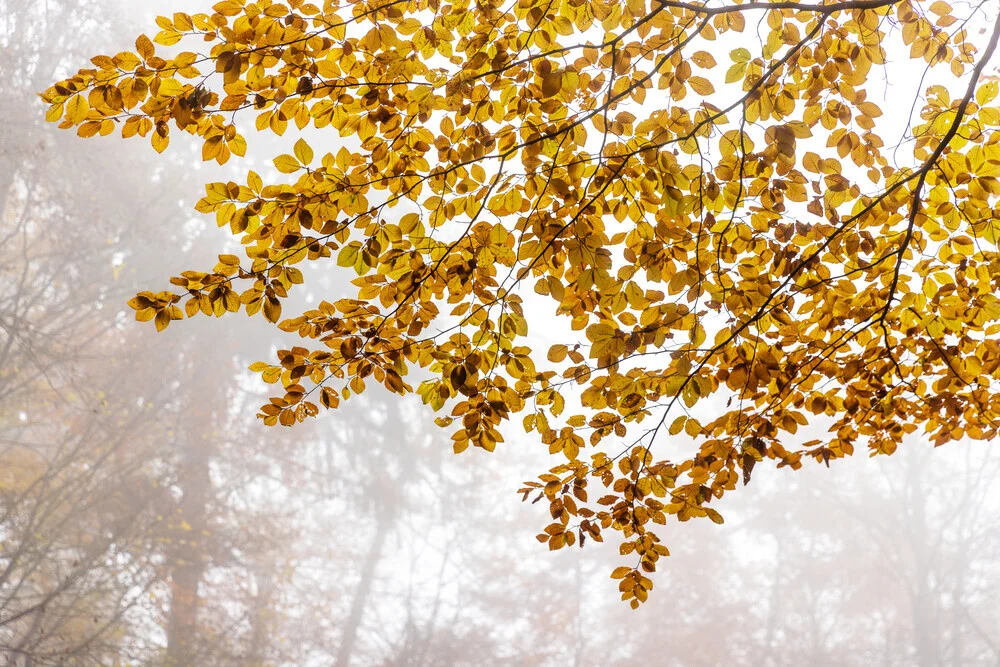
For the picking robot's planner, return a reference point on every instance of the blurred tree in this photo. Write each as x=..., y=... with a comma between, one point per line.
x=886, y=564
x=71, y=505
x=105, y=445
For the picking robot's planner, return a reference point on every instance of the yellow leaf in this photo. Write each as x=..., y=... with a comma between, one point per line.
x=254, y=182
x=703, y=59
x=238, y=145
x=736, y=72
x=714, y=516
x=600, y=332
x=76, y=109
x=159, y=142
x=54, y=112
x=986, y=93
x=552, y=84
x=167, y=37
x=701, y=85
x=940, y=8
x=162, y=319
x=348, y=255
x=286, y=164
x=272, y=309
x=740, y=55
x=170, y=88
x=408, y=223
x=303, y=152
x=677, y=425
x=557, y=353
x=144, y=47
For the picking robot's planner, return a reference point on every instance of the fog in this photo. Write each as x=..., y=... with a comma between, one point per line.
x=147, y=517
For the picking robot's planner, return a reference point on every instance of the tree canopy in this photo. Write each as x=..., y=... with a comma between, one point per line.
x=701, y=205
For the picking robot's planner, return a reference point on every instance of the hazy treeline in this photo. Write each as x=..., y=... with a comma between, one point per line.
x=146, y=518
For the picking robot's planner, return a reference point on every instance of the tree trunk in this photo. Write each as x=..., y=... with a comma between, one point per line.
x=361, y=593
x=260, y=625
x=6, y=182
x=188, y=561
x=925, y=630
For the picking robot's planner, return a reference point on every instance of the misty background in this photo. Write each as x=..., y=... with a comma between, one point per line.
x=147, y=517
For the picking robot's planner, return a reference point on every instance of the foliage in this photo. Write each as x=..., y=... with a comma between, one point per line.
x=620, y=163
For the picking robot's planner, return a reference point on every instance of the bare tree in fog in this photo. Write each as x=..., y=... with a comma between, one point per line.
x=104, y=509
x=66, y=580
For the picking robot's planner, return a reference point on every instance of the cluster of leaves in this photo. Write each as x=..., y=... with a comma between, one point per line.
x=501, y=149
